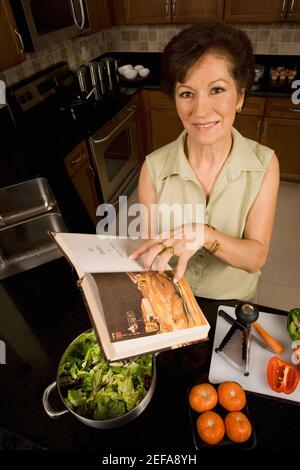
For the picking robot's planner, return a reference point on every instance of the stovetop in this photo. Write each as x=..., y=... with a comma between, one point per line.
x=54, y=116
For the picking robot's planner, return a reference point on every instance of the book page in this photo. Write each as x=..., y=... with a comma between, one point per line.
x=100, y=254
x=145, y=304
x=141, y=312
x=92, y=253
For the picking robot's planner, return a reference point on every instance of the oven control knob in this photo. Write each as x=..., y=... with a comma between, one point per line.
x=29, y=95
x=22, y=99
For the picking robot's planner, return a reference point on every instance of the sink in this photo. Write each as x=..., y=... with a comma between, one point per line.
x=25, y=200
x=28, y=210
x=27, y=244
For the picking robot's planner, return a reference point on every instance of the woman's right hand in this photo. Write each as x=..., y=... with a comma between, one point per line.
x=182, y=242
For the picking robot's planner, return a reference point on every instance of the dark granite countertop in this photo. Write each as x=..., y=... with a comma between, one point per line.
x=41, y=313
x=264, y=88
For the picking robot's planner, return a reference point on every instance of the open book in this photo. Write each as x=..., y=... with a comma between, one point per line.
x=133, y=311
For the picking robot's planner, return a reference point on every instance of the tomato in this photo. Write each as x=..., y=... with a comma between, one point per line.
x=282, y=376
x=203, y=397
x=210, y=427
x=231, y=396
x=238, y=427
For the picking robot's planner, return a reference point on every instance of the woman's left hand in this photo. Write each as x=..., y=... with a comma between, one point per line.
x=182, y=242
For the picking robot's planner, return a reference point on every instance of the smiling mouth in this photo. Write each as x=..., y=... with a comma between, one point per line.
x=205, y=126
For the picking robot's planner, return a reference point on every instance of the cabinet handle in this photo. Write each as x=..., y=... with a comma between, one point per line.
x=294, y=110
x=73, y=13
x=20, y=40
x=283, y=8
x=258, y=128
x=292, y=7
x=174, y=8
x=78, y=159
x=167, y=7
x=265, y=125
x=92, y=172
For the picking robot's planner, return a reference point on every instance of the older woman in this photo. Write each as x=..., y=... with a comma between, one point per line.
x=207, y=69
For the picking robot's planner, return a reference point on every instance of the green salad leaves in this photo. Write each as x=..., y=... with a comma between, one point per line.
x=97, y=390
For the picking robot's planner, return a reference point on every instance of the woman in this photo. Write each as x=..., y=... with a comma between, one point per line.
x=207, y=69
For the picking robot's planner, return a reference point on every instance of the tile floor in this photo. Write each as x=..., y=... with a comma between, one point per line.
x=279, y=284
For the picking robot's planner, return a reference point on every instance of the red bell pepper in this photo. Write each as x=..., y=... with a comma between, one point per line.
x=282, y=376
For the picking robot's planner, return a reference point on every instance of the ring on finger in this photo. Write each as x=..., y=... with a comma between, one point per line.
x=170, y=250
x=163, y=246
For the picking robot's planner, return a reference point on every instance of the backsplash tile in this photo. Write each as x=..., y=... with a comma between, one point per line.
x=267, y=38
x=75, y=52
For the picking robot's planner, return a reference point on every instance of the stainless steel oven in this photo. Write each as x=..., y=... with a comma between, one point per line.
x=115, y=155
x=44, y=22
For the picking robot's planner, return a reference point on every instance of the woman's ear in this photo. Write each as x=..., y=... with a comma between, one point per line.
x=240, y=101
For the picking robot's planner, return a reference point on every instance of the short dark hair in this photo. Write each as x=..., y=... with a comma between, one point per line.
x=184, y=49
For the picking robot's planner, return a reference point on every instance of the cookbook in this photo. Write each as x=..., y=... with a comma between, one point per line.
x=133, y=311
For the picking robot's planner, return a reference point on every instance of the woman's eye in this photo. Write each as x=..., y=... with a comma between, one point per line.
x=216, y=90
x=185, y=94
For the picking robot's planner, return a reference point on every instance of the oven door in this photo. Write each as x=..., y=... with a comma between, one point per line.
x=115, y=154
x=51, y=21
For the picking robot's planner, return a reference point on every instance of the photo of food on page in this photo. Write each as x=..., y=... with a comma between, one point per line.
x=146, y=303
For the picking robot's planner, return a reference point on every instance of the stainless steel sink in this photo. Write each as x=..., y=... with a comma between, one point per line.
x=27, y=244
x=26, y=200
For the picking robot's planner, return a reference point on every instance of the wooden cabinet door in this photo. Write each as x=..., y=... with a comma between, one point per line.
x=192, y=11
x=146, y=11
x=99, y=15
x=283, y=135
x=11, y=47
x=248, y=122
x=282, y=108
x=248, y=126
x=79, y=169
x=255, y=10
x=165, y=125
x=253, y=106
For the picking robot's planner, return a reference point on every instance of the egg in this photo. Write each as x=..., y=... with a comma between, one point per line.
x=130, y=74
x=144, y=72
x=138, y=67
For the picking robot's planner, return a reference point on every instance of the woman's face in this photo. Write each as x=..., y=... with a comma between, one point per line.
x=208, y=99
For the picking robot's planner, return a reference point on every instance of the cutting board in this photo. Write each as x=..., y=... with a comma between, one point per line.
x=220, y=370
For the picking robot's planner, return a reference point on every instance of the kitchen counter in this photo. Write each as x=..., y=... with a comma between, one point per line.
x=41, y=313
x=264, y=88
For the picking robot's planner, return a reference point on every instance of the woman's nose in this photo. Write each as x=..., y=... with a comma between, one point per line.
x=201, y=106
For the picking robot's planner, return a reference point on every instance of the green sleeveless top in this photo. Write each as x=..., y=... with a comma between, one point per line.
x=230, y=200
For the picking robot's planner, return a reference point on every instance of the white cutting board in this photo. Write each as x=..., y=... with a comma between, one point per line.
x=220, y=370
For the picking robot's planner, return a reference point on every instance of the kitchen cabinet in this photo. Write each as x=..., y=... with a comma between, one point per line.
x=165, y=124
x=99, y=15
x=80, y=171
x=274, y=122
x=249, y=121
x=281, y=132
x=166, y=11
x=11, y=45
x=261, y=11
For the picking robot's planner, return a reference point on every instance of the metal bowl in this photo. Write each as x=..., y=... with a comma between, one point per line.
x=100, y=424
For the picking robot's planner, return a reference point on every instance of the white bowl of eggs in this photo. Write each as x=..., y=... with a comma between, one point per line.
x=136, y=72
